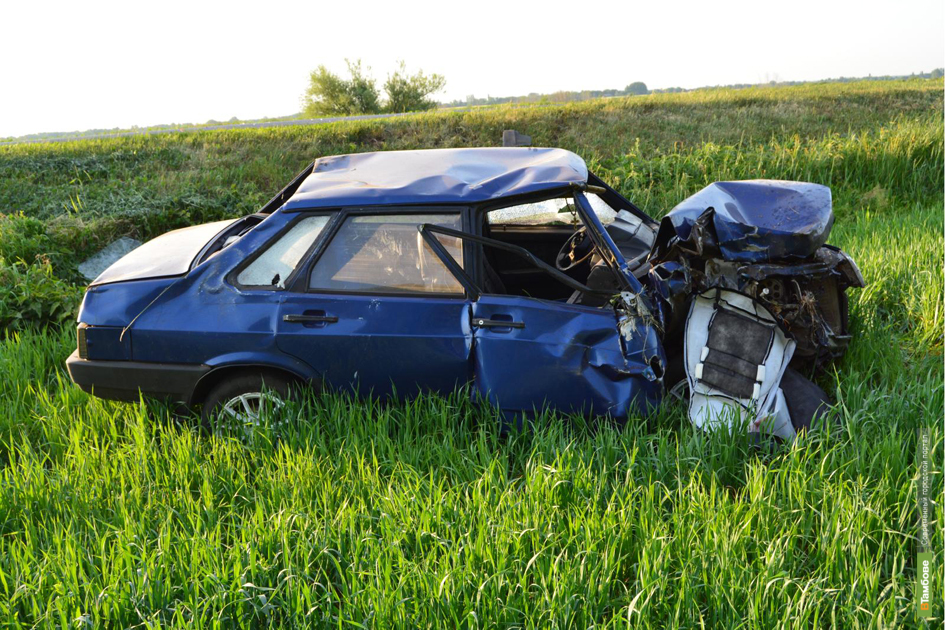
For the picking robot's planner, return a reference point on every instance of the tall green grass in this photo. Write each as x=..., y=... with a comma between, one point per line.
x=236, y=171
x=342, y=513
x=895, y=164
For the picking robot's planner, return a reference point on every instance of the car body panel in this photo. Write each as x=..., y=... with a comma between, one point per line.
x=170, y=254
x=105, y=342
x=118, y=303
x=565, y=356
x=759, y=220
x=605, y=243
x=187, y=330
x=449, y=176
x=379, y=344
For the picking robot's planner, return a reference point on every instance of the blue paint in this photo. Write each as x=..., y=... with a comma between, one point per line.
x=437, y=176
x=380, y=344
x=605, y=243
x=107, y=343
x=568, y=357
x=758, y=220
x=608, y=360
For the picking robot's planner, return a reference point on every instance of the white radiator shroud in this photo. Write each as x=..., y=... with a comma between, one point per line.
x=736, y=356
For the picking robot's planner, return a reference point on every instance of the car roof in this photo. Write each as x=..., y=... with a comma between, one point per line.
x=436, y=176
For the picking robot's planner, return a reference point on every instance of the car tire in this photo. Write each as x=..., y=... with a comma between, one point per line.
x=239, y=390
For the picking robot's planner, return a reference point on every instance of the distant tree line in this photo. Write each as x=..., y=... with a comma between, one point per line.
x=562, y=96
x=329, y=94
x=934, y=74
x=638, y=88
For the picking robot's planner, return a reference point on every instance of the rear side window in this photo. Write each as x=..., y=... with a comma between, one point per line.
x=282, y=257
x=386, y=254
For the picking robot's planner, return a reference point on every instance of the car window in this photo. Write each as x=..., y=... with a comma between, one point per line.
x=281, y=258
x=558, y=211
x=387, y=254
x=601, y=208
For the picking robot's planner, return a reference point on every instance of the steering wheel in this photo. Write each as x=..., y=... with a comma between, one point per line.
x=575, y=250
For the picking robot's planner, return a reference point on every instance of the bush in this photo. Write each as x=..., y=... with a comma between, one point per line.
x=23, y=238
x=28, y=239
x=411, y=93
x=330, y=95
x=31, y=295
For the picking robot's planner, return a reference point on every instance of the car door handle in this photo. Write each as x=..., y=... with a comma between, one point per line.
x=480, y=322
x=309, y=319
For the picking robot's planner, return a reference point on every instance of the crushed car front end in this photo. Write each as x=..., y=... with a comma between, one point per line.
x=753, y=249
x=514, y=270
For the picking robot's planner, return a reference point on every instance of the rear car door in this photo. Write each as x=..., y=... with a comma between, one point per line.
x=376, y=312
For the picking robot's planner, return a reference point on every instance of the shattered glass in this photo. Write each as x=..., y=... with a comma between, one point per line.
x=275, y=264
x=386, y=253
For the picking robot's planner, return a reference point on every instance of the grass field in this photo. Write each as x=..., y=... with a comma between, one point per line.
x=346, y=514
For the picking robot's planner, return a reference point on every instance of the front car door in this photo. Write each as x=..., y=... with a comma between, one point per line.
x=531, y=352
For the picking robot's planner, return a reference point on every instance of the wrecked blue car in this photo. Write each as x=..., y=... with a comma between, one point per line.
x=514, y=271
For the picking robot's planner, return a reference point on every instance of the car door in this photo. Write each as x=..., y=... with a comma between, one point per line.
x=530, y=352
x=377, y=313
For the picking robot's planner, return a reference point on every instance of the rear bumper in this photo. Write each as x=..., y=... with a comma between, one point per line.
x=127, y=380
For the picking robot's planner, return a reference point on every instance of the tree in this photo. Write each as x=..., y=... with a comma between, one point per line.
x=330, y=95
x=937, y=73
x=410, y=93
x=637, y=88
x=363, y=90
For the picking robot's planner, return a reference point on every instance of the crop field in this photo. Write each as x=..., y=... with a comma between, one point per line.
x=346, y=514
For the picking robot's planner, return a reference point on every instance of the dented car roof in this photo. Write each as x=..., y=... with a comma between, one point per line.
x=447, y=176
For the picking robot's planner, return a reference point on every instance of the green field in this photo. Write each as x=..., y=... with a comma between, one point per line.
x=349, y=514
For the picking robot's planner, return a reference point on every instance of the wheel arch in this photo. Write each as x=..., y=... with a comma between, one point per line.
x=220, y=373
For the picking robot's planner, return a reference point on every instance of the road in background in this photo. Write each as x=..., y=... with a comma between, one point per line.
x=244, y=125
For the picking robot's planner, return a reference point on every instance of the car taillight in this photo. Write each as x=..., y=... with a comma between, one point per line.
x=82, y=341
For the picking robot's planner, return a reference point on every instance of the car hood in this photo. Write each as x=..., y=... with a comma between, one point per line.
x=168, y=255
x=759, y=220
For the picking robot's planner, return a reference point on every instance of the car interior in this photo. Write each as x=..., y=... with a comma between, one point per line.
x=552, y=231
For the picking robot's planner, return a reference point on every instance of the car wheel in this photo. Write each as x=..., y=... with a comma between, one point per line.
x=234, y=406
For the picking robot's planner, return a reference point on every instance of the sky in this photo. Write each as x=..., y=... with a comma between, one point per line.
x=68, y=66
